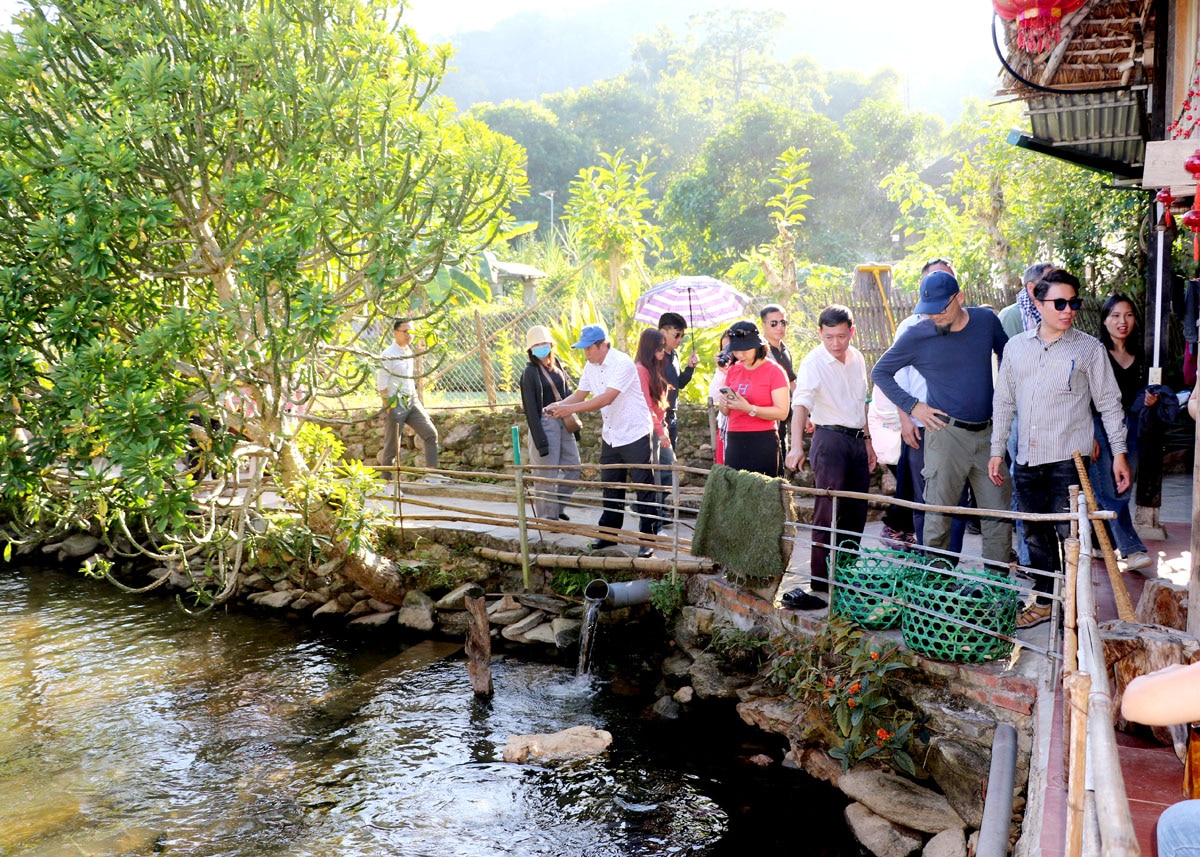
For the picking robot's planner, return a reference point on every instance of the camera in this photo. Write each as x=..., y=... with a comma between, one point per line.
x=724, y=359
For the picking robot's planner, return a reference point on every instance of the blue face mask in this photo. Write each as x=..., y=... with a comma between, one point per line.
x=540, y=351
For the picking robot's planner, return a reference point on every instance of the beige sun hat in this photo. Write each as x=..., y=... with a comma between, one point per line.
x=537, y=335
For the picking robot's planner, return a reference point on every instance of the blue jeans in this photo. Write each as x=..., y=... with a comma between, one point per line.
x=1124, y=536
x=1019, y=526
x=1179, y=830
x=1042, y=489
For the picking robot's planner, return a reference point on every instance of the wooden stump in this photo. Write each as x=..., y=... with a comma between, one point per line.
x=1131, y=650
x=1163, y=603
x=479, y=643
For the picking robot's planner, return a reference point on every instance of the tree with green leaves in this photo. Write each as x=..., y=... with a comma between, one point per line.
x=608, y=210
x=205, y=205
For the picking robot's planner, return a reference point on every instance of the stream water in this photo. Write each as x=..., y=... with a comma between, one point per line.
x=128, y=728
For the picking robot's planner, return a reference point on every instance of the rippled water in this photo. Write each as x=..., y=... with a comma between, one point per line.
x=128, y=728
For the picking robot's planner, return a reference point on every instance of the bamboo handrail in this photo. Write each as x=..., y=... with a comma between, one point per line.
x=1120, y=594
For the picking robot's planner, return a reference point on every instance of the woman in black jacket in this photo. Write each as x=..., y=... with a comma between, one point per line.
x=544, y=381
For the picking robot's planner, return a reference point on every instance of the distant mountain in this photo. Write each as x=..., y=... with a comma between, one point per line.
x=942, y=48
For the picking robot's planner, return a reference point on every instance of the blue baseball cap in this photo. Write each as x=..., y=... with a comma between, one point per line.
x=936, y=291
x=591, y=335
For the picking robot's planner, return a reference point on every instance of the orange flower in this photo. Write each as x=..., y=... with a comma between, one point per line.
x=874, y=656
x=829, y=682
x=854, y=688
x=851, y=702
x=882, y=734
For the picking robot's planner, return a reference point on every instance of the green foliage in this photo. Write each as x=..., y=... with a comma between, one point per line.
x=571, y=582
x=743, y=650
x=203, y=205
x=855, y=684
x=667, y=596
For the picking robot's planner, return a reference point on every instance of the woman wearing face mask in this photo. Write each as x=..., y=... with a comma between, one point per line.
x=544, y=381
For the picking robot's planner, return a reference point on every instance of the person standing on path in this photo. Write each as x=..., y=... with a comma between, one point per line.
x=610, y=379
x=544, y=381
x=1048, y=381
x=755, y=398
x=952, y=348
x=774, y=327
x=673, y=326
x=397, y=385
x=831, y=389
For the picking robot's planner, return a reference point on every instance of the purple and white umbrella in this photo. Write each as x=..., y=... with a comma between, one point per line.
x=702, y=301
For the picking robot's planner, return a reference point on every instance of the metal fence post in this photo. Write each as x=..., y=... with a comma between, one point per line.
x=524, y=532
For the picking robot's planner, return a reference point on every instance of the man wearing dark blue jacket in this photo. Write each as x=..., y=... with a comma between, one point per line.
x=952, y=348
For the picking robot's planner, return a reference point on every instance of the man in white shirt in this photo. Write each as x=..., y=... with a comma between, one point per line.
x=831, y=389
x=397, y=386
x=611, y=379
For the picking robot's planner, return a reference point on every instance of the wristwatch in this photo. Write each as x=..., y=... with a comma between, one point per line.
x=754, y=410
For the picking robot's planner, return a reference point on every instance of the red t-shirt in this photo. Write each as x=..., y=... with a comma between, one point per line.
x=756, y=386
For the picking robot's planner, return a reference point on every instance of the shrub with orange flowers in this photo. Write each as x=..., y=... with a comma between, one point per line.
x=857, y=684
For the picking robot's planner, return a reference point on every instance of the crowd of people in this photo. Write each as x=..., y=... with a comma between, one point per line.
x=969, y=407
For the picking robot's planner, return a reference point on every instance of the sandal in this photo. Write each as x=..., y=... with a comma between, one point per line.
x=1033, y=616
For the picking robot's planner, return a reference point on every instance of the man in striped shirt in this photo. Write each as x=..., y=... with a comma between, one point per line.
x=1049, y=379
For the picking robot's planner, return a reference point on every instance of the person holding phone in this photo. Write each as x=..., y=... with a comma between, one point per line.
x=755, y=398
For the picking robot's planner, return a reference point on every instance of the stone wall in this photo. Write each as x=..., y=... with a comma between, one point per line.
x=481, y=438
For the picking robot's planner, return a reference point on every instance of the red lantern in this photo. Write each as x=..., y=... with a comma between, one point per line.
x=1191, y=218
x=1165, y=199
x=1038, y=21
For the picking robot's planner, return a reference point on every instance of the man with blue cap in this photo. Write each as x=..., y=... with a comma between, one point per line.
x=611, y=380
x=952, y=348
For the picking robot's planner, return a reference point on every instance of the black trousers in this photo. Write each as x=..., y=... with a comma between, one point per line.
x=839, y=463
x=632, y=454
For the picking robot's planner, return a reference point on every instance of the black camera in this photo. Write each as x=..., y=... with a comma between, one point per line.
x=724, y=359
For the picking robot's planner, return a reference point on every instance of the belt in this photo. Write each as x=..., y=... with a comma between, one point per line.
x=846, y=430
x=966, y=426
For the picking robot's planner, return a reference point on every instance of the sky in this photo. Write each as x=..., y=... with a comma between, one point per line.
x=933, y=44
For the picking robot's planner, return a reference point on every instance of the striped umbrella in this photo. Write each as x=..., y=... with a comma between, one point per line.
x=702, y=301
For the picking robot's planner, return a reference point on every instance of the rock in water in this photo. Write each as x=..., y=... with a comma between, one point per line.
x=578, y=742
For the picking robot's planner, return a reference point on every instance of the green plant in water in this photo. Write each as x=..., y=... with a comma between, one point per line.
x=571, y=582
x=853, y=680
x=666, y=596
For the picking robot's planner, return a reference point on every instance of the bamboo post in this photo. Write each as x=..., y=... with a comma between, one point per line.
x=521, y=525
x=485, y=361
x=479, y=643
x=1076, y=686
x=1120, y=594
x=674, y=526
x=1071, y=607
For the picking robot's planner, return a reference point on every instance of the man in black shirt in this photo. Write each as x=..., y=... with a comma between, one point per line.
x=774, y=326
x=673, y=326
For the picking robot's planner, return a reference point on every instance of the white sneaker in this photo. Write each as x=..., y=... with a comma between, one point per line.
x=434, y=479
x=1139, y=561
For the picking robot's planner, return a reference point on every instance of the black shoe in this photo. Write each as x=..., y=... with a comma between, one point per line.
x=562, y=516
x=601, y=544
x=798, y=599
x=645, y=552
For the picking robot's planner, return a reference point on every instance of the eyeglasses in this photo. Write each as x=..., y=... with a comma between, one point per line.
x=1061, y=304
x=778, y=322
x=661, y=349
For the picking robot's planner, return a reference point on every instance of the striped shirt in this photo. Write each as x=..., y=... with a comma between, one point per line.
x=1050, y=387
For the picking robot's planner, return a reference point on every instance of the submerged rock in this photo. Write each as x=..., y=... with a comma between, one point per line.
x=578, y=742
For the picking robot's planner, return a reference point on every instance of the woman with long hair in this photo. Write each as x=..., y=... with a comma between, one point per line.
x=650, y=360
x=544, y=381
x=1119, y=328
x=724, y=361
x=755, y=398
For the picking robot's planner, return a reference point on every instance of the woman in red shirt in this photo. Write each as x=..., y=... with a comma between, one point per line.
x=755, y=398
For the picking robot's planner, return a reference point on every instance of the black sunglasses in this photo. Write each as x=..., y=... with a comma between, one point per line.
x=778, y=322
x=1061, y=304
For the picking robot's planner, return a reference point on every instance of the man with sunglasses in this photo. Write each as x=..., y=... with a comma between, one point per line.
x=952, y=348
x=774, y=328
x=1049, y=380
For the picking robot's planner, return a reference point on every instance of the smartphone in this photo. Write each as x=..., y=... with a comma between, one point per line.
x=728, y=393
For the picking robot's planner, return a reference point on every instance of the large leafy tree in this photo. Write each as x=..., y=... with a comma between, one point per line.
x=203, y=204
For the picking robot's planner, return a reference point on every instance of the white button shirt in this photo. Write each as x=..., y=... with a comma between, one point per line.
x=627, y=417
x=834, y=392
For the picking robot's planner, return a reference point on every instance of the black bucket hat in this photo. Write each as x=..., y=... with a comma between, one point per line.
x=744, y=336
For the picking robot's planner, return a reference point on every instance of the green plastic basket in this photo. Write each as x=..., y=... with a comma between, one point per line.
x=937, y=603
x=877, y=573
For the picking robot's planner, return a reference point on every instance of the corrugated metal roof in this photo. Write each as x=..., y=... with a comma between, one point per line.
x=1106, y=125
